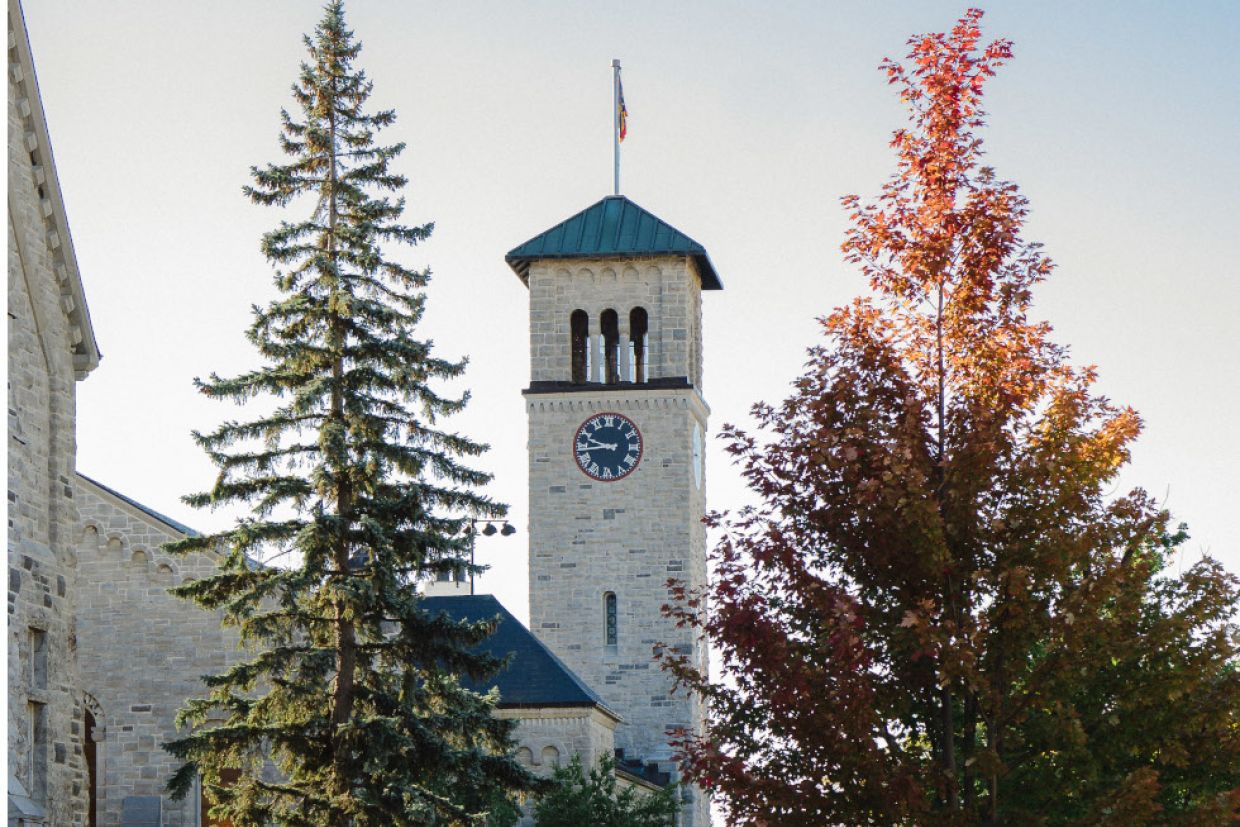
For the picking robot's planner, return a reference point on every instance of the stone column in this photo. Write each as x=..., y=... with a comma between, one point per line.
x=597, y=368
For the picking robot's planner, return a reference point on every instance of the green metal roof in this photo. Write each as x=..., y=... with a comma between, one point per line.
x=613, y=228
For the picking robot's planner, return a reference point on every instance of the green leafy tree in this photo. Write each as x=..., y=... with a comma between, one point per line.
x=345, y=708
x=939, y=612
x=580, y=798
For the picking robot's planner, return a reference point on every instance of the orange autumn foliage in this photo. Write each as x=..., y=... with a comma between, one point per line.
x=937, y=612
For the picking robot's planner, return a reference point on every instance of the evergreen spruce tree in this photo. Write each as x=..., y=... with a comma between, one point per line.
x=344, y=708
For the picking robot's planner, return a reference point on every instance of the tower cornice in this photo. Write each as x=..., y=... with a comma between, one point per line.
x=621, y=399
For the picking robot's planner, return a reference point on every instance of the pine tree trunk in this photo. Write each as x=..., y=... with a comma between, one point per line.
x=346, y=637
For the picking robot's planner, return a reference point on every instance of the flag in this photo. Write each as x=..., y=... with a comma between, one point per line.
x=622, y=114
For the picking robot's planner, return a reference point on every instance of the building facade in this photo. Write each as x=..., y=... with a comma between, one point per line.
x=51, y=348
x=141, y=654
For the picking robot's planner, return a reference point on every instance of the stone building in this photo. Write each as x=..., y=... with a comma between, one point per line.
x=558, y=714
x=51, y=348
x=100, y=657
x=141, y=653
x=616, y=474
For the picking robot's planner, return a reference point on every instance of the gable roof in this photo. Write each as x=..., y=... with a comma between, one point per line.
x=534, y=677
x=613, y=228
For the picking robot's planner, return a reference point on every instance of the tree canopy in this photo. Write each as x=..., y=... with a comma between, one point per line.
x=938, y=611
x=344, y=707
x=594, y=798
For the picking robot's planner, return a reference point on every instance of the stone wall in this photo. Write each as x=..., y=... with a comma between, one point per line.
x=588, y=538
x=628, y=537
x=141, y=651
x=548, y=737
x=50, y=347
x=668, y=288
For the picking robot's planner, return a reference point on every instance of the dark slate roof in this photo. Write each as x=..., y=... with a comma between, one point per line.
x=534, y=677
x=168, y=521
x=613, y=228
x=647, y=771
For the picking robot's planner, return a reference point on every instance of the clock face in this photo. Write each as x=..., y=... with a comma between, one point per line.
x=608, y=447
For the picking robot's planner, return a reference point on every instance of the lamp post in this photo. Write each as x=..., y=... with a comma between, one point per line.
x=506, y=529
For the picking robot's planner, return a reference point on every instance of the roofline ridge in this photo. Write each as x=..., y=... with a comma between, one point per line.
x=36, y=122
x=176, y=526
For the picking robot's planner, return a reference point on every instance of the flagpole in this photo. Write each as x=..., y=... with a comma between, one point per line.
x=615, y=120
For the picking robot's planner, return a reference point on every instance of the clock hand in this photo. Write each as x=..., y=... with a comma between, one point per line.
x=610, y=447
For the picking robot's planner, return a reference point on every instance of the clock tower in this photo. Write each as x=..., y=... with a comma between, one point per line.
x=617, y=484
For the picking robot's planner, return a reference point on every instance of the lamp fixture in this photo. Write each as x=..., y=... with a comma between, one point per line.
x=489, y=529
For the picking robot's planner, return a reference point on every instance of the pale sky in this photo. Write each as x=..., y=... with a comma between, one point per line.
x=747, y=122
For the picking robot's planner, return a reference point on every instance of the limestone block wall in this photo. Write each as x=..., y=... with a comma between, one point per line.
x=629, y=537
x=141, y=651
x=548, y=737
x=669, y=288
x=50, y=347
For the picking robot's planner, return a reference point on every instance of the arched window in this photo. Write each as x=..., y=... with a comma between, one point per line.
x=610, y=323
x=452, y=575
x=610, y=620
x=550, y=756
x=579, y=323
x=639, y=323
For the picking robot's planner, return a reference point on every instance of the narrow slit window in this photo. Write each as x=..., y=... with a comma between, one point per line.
x=90, y=750
x=610, y=323
x=610, y=621
x=38, y=658
x=639, y=323
x=579, y=323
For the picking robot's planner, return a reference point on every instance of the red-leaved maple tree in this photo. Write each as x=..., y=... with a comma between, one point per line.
x=939, y=613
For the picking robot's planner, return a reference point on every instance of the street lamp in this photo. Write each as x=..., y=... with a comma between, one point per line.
x=505, y=529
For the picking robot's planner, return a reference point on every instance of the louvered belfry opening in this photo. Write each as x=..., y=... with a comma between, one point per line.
x=638, y=324
x=579, y=324
x=610, y=323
